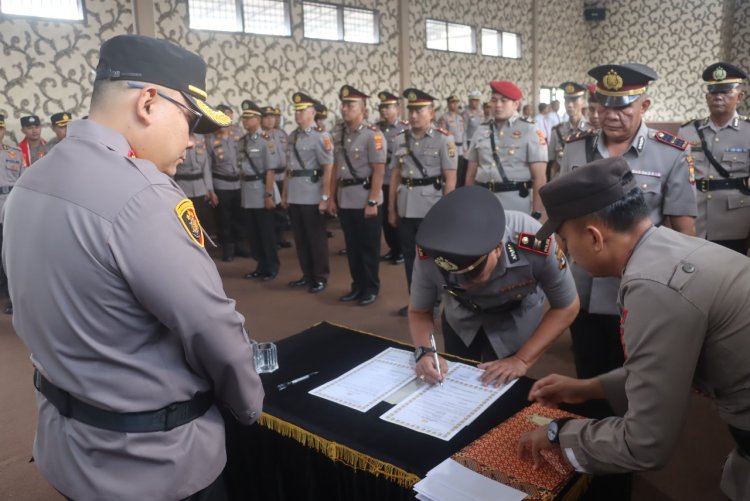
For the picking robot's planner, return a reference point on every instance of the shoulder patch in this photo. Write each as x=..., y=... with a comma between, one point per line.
x=440, y=129
x=378, y=139
x=512, y=251
x=528, y=120
x=189, y=220
x=581, y=134
x=675, y=141
x=561, y=261
x=327, y=143
x=529, y=242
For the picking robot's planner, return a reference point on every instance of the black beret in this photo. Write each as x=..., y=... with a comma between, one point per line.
x=30, y=120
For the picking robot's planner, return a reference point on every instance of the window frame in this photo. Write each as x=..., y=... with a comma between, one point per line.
x=239, y=5
x=499, y=36
x=340, y=28
x=47, y=19
x=447, y=24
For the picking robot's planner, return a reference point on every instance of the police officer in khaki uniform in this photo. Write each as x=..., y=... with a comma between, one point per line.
x=575, y=100
x=391, y=125
x=321, y=116
x=259, y=193
x=684, y=304
x=423, y=170
x=130, y=331
x=473, y=117
x=194, y=177
x=59, y=123
x=277, y=145
x=720, y=148
x=11, y=167
x=307, y=191
x=661, y=165
x=453, y=121
x=508, y=154
x=32, y=145
x=360, y=154
x=493, y=275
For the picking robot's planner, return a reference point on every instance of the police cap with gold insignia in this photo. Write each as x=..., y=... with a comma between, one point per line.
x=30, y=120
x=453, y=234
x=268, y=111
x=349, y=93
x=621, y=84
x=584, y=191
x=2, y=120
x=722, y=77
x=277, y=111
x=416, y=98
x=572, y=90
x=507, y=89
x=321, y=111
x=60, y=119
x=453, y=98
x=250, y=109
x=302, y=101
x=387, y=98
x=143, y=59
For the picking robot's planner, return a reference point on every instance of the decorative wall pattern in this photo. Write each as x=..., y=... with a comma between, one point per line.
x=739, y=47
x=47, y=66
x=565, y=49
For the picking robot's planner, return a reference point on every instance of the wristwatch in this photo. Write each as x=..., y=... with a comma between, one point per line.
x=553, y=429
x=421, y=351
x=324, y=198
x=536, y=215
x=268, y=194
x=372, y=203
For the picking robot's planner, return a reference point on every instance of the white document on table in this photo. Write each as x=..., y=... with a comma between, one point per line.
x=451, y=481
x=370, y=382
x=443, y=411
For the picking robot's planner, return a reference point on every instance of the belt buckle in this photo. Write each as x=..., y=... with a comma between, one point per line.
x=703, y=185
x=410, y=182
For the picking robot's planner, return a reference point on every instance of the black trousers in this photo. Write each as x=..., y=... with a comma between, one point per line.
x=362, y=238
x=310, y=241
x=480, y=348
x=204, y=212
x=389, y=232
x=281, y=217
x=3, y=276
x=463, y=165
x=262, y=238
x=230, y=222
x=407, y=235
x=736, y=245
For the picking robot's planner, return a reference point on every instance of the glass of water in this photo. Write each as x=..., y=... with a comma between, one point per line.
x=265, y=357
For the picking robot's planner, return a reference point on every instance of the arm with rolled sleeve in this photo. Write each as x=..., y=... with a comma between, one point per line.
x=177, y=282
x=663, y=337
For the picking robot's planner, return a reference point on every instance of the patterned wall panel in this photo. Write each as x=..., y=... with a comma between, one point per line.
x=739, y=45
x=47, y=66
x=564, y=48
x=270, y=69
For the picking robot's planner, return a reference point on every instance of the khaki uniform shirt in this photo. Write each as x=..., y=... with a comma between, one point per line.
x=559, y=136
x=663, y=173
x=519, y=142
x=521, y=276
x=277, y=146
x=255, y=147
x=436, y=151
x=454, y=123
x=365, y=145
x=128, y=314
x=222, y=151
x=684, y=317
x=51, y=144
x=390, y=131
x=472, y=120
x=11, y=168
x=315, y=148
x=722, y=214
x=196, y=164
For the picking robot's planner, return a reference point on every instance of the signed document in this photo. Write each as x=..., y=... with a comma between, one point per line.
x=443, y=411
x=370, y=382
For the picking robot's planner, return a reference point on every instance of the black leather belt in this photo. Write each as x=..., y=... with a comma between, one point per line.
x=305, y=173
x=279, y=170
x=229, y=179
x=188, y=177
x=353, y=182
x=522, y=187
x=169, y=417
x=736, y=183
x=742, y=437
x=251, y=177
x=4, y=190
x=420, y=181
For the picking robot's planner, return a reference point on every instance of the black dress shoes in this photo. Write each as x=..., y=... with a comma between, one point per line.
x=284, y=244
x=302, y=282
x=367, y=299
x=352, y=296
x=316, y=287
x=342, y=252
x=389, y=256
x=253, y=274
x=399, y=259
x=267, y=277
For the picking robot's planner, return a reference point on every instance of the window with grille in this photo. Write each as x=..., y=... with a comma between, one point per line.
x=501, y=44
x=262, y=17
x=336, y=22
x=70, y=10
x=451, y=37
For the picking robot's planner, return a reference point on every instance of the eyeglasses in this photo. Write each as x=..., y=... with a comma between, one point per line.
x=196, y=116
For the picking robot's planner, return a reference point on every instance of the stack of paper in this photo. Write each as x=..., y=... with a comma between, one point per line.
x=450, y=481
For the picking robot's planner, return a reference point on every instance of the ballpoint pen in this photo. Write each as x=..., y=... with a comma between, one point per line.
x=437, y=360
x=284, y=386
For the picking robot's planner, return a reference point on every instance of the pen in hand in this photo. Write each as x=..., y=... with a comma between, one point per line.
x=284, y=386
x=437, y=360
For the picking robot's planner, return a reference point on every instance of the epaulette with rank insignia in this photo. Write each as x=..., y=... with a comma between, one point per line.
x=440, y=129
x=529, y=242
x=528, y=120
x=581, y=134
x=675, y=141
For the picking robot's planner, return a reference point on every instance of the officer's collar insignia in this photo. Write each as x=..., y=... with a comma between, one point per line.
x=640, y=143
x=529, y=242
x=736, y=122
x=189, y=220
x=612, y=81
x=511, y=252
x=561, y=262
x=445, y=264
x=719, y=73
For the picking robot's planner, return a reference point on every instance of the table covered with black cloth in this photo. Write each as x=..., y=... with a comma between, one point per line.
x=307, y=448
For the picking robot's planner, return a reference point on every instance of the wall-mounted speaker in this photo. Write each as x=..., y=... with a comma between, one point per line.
x=594, y=13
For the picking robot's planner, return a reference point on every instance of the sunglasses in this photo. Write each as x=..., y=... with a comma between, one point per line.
x=195, y=115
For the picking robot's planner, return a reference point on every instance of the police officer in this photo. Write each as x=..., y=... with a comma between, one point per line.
x=59, y=123
x=592, y=110
x=423, y=170
x=360, y=154
x=508, y=154
x=131, y=334
x=321, y=116
x=259, y=193
x=32, y=145
x=473, y=117
x=11, y=167
x=194, y=177
x=493, y=275
x=661, y=167
x=277, y=145
x=720, y=148
x=575, y=100
x=453, y=121
x=307, y=191
x=684, y=325
x=391, y=125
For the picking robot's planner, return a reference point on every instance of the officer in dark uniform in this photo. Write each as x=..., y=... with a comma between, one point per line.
x=59, y=123
x=720, y=148
x=11, y=168
x=360, y=154
x=391, y=125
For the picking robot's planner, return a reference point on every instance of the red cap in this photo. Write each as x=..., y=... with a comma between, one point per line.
x=591, y=87
x=507, y=89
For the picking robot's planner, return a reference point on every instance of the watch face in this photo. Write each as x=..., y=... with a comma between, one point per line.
x=552, y=431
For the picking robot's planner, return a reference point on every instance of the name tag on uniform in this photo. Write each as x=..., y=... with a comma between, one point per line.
x=736, y=150
x=650, y=173
x=254, y=150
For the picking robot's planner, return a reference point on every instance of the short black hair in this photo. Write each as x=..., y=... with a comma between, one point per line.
x=542, y=107
x=622, y=215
